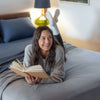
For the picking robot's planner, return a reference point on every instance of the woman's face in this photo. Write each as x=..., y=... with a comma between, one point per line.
x=45, y=41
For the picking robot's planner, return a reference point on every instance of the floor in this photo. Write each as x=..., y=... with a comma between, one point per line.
x=82, y=44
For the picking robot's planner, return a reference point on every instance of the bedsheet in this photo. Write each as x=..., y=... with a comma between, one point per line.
x=82, y=80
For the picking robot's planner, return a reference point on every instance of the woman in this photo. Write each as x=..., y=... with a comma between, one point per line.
x=46, y=52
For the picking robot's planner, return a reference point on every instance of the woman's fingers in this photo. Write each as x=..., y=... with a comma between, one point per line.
x=30, y=79
x=37, y=79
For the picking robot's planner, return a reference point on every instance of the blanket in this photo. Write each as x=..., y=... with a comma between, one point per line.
x=6, y=78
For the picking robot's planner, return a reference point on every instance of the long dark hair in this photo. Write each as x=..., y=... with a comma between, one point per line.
x=36, y=49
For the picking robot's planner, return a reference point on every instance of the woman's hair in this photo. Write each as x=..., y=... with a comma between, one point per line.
x=36, y=49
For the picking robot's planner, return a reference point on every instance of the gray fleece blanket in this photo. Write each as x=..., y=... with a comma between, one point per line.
x=82, y=80
x=8, y=53
x=6, y=78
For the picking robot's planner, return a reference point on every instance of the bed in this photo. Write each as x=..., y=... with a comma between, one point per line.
x=82, y=69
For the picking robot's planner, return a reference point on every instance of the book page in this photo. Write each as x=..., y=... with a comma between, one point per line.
x=36, y=71
x=16, y=66
x=18, y=72
x=34, y=68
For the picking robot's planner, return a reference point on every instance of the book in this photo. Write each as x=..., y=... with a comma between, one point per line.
x=36, y=70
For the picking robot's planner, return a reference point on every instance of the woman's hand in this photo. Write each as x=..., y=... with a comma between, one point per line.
x=38, y=80
x=32, y=80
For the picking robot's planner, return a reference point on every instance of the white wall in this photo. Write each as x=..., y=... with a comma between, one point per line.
x=80, y=20
x=12, y=6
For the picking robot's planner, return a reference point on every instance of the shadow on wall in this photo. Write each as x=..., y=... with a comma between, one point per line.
x=95, y=37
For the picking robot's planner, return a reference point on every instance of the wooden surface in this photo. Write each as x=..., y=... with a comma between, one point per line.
x=82, y=44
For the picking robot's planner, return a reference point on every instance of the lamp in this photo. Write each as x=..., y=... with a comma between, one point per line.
x=44, y=4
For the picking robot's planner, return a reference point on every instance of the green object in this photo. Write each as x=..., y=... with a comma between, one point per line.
x=42, y=21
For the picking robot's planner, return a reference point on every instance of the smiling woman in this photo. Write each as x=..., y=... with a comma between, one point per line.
x=80, y=1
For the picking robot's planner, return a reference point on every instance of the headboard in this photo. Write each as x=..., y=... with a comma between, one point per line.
x=15, y=15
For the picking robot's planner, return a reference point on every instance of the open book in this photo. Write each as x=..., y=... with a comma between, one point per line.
x=36, y=70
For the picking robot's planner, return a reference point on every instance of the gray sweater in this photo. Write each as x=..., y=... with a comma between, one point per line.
x=57, y=71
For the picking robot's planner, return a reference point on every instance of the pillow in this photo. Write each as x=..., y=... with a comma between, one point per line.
x=14, y=29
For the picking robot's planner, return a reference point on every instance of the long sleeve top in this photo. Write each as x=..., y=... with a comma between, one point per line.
x=57, y=71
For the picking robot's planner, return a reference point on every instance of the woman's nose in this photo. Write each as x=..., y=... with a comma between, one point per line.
x=47, y=40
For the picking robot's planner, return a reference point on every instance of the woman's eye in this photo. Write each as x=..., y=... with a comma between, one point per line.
x=50, y=37
x=43, y=38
